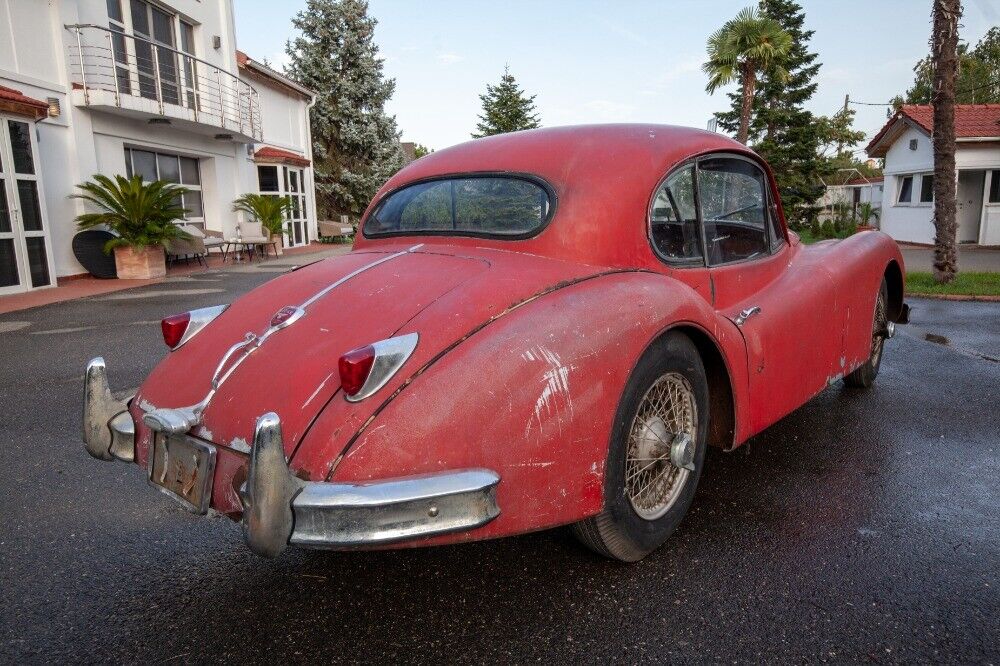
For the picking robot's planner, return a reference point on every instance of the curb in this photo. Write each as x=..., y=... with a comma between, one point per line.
x=957, y=297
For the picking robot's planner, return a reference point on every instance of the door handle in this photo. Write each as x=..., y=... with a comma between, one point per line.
x=742, y=317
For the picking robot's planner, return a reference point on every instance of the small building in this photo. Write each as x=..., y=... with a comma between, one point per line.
x=155, y=88
x=852, y=193
x=905, y=145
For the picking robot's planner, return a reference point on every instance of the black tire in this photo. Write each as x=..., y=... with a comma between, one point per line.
x=619, y=532
x=865, y=376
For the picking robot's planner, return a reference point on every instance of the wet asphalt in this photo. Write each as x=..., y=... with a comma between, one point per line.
x=865, y=526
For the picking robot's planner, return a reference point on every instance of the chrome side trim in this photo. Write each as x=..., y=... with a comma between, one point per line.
x=390, y=355
x=99, y=409
x=279, y=508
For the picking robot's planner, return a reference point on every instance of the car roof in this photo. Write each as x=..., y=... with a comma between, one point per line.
x=603, y=177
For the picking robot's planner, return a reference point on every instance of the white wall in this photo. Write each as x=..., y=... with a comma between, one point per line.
x=913, y=222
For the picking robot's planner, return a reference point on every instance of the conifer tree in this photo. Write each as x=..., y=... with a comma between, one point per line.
x=355, y=143
x=506, y=108
x=781, y=129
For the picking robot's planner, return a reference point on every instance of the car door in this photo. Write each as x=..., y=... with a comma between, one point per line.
x=785, y=312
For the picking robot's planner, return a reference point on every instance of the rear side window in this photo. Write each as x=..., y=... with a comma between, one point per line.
x=674, y=219
x=505, y=206
x=733, y=199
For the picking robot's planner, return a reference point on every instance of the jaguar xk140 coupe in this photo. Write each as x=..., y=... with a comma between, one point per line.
x=537, y=329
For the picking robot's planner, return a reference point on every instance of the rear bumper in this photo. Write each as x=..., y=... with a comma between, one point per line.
x=280, y=509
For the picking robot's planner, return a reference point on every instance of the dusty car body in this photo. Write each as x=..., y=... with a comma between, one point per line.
x=488, y=366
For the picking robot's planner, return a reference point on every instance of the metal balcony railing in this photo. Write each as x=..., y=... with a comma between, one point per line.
x=126, y=66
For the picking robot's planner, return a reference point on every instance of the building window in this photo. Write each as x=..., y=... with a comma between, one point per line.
x=172, y=168
x=905, y=189
x=995, y=187
x=927, y=188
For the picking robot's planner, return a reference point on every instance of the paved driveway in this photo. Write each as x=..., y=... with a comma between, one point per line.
x=865, y=526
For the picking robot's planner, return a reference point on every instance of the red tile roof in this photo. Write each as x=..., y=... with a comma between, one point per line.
x=971, y=121
x=268, y=154
x=14, y=101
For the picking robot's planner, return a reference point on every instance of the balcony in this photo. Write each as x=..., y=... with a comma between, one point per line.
x=120, y=73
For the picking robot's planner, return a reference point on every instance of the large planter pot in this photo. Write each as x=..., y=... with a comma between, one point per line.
x=278, y=240
x=144, y=263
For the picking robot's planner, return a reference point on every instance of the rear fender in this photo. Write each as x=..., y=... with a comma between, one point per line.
x=532, y=396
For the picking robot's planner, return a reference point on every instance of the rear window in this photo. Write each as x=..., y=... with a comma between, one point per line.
x=471, y=206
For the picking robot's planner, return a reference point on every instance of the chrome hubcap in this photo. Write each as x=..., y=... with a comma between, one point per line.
x=661, y=447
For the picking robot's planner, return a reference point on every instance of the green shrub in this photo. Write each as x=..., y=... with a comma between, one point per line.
x=827, y=230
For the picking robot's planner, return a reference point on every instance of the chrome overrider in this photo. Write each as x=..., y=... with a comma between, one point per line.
x=280, y=509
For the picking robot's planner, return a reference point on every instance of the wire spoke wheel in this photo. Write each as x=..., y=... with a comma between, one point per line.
x=668, y=410
x=879, y=326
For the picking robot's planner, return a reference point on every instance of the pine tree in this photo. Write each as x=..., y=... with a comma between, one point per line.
x=506, y=108
x=781, y=129
x=355, y=143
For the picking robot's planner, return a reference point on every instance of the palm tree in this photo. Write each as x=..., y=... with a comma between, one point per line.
x=944, y=52
x=867, y=212
x=745, y=46
x=141, y=214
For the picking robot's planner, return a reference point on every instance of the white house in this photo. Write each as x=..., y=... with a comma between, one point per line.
x=137, y=86
x=905, y=144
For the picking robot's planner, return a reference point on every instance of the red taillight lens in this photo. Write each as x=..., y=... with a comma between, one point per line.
x=354, y=368
x=174, y=328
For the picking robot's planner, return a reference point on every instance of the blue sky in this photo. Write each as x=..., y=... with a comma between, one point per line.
x=625, y=61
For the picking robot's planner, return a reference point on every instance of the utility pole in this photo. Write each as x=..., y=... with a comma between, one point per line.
x=840, y=144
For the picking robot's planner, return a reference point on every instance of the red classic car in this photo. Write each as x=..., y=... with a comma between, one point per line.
x=538, y=329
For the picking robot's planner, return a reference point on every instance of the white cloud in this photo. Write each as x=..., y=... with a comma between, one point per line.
x=449, y=58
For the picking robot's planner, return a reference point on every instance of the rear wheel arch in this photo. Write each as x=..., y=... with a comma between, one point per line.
x=894, y=286
x=722, y=406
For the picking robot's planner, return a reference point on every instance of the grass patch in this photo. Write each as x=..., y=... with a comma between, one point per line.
x=965, y=284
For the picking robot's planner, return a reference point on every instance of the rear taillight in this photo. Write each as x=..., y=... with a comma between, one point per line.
x=179, y=328
x=174, y=328
x=365, y=370
x=355, y=366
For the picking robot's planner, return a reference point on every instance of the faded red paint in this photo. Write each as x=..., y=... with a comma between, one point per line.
x=525, y=345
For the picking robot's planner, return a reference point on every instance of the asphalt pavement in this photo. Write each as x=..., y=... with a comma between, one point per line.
x=863, y=527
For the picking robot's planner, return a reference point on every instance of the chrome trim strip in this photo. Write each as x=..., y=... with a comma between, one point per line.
x=169, y=420
x=390, y=355
x=279, y=508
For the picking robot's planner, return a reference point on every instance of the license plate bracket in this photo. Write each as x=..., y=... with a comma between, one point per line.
x=183, y=468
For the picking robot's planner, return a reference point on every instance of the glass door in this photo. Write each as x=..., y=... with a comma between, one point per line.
x=298, y=230
x=24, y=245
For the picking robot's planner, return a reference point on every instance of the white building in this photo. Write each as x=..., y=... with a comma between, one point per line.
x=905, y=144
x=137, y=86
x=852, y=193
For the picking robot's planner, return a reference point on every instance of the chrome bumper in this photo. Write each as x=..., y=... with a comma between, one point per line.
x=280, y=509
x=108, y=430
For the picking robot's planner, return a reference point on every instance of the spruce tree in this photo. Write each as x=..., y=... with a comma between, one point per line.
x=781, y=129
x=355, y=143
x=506, y=108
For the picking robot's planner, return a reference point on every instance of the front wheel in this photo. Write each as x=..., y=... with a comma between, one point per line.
x=865, y=376
x=656, y=454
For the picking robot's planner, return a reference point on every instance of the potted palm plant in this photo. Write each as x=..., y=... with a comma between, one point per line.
x=267, y=209
x=867, y=213
x=141, y=215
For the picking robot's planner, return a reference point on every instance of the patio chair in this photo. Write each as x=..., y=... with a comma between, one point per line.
x=254, y=232
x=212, y=239
x=186, y=248
x=328, y=228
